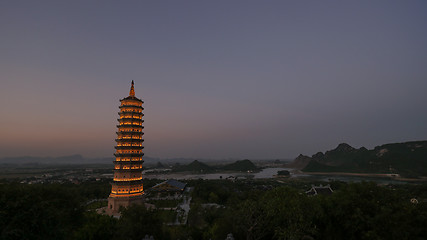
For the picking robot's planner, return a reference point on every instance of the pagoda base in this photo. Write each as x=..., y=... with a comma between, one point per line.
x=115, y=203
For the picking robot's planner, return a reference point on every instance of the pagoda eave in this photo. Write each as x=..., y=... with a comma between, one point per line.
x=130, y=132
x=133, y=133
x=128, y=170
x=125, y=183
x=130, y=140
x=130, y=125
x=130, y=119
x=131, y=112
x=132, y=98
x=130, y=106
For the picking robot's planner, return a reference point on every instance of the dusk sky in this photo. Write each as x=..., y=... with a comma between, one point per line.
x=220, y=79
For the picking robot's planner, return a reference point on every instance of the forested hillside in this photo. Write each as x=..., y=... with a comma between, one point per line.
x=408, y=159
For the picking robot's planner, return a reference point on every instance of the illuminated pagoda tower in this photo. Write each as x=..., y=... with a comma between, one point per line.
x=127, y=187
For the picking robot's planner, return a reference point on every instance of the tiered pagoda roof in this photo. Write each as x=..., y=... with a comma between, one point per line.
x=127, y=186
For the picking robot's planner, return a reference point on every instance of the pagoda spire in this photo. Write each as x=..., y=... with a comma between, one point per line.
x=132, y=90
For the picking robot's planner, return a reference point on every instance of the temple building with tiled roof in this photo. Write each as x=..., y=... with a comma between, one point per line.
x=170, y=185
x=319, y=190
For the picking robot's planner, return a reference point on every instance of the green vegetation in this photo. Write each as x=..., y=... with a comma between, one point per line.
x=354, y=211
x=407, y=159
x=284, y=173
x=252, y=209
x=97, y=204
x=166, y=216
x=39, y=212
x=166, y=203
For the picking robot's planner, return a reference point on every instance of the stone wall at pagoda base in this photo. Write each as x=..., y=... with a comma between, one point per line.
x=115, y=203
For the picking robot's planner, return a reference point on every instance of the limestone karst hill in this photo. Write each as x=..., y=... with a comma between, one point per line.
x=197, y=166
x=408, y=159
x=242, y=165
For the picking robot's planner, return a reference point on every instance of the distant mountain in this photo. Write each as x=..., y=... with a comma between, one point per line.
x=200, y=167
x=160, y=165
x=407, y=159
x=194, y=166
x=241, y=166
x=300, y=162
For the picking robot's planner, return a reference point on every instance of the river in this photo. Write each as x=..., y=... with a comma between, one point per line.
x=267, y=173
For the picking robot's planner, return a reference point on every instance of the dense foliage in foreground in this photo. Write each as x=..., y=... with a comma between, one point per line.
x=353, y=211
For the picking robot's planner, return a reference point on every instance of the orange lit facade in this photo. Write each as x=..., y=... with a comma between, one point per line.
x=127, y=187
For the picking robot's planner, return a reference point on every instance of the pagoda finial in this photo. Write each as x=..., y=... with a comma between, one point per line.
x=132, y=91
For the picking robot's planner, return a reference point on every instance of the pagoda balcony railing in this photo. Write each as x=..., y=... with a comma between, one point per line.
x=138, y=170
x=131, y=162
x=129, y=144
x=130, y=140
x=127, y=195
x=130, y=119
x=127, y=192
x=128, y=154
x=129, y=131
x=128, y=160
x=131, y=111
x=127, y=179
x=131, y=151
x=134, y=169
x=131, y=103
x=135, y=164
x=130, y=125
x=132, y=133
x=128, y=147
x=128, y=164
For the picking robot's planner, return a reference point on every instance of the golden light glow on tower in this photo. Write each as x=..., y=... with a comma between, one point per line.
x=127, y=187
x=132, y=90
